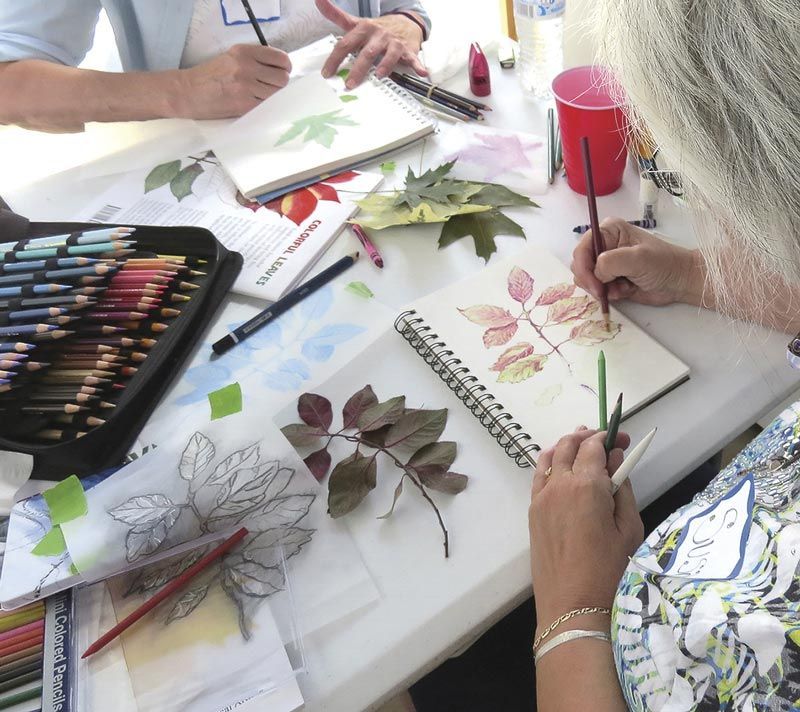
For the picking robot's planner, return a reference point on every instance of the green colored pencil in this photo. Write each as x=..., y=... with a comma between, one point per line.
x=14, y=698
x=19, y=681
x=601, y=390
x=613, y=426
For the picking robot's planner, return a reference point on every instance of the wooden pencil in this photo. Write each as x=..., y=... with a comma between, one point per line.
x=598, y=242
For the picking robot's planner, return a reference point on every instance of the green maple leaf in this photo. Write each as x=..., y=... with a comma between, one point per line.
x=424, y=186
x=318, y=128
x=499, y=196
x=483, y=227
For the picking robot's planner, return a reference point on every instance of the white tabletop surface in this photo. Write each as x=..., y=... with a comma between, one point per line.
x=431, y=607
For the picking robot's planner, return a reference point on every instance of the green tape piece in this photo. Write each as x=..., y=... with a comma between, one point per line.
x=225, y=401
x=51, y=544
x=66, y=501
x=343, y=73
x=388, y=166
x=346, y=98
x=360, y=290
x=73, y=569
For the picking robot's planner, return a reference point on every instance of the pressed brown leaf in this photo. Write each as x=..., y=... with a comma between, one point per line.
x=488, y=315
x=447, y=482
x=351, y=480
x=571, y=309
x=522, y=369
x=315, y=410
x=301, y=435
x=520, y=285
x=440, y=454
x=357, y=404
x=397, y=492
x=511, y=354
x=589, y=333
x=417, y=428
x=555, y=293
x=499, y=335
x=380, y=414
x=319, y=462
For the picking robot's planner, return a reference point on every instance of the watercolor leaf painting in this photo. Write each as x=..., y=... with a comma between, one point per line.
x=549, y=320
x=222, y=493
x=319, y=128
x=180, y=178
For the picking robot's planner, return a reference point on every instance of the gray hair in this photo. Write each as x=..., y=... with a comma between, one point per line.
x=717, y=84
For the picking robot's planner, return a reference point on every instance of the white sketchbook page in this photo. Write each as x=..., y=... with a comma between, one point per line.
x=561, y=396
x=258, y=160
x=278, y=249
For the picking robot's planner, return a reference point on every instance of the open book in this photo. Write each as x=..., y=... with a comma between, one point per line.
x=517, y=343
x=314, y=127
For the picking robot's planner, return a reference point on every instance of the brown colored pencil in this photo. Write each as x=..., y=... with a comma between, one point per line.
x=598, y=242
x=66, y=408
x=57, y=435
x=90, y=421
x=154, y=327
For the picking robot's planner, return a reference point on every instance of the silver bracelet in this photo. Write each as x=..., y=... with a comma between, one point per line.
x=566, y=637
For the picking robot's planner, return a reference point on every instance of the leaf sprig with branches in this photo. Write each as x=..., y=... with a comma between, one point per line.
x=408, y=438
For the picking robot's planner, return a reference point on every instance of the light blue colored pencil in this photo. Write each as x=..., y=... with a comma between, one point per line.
x=81, y=238
x=46, y=254
x=18, y=291
x=60, y=263
x=27, y=329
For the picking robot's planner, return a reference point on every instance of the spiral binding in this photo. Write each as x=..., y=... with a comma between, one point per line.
x=458, y=378
x=404, y=98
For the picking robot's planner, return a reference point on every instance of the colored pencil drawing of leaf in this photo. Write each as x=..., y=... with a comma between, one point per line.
x=161, y=175
x=181, y=184
x=241, y=490
x=319, y=128
x=543, y=319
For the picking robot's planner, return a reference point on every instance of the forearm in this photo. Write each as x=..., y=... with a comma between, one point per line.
x=51, y=97
x=579, y=674
x=750, y=293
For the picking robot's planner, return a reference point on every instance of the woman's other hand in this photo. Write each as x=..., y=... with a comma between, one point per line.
x=581, y=534
x=638, y=266
x=232, y=83
x=393, y=38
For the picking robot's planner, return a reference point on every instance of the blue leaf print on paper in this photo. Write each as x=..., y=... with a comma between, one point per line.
x=201, y=377
x=289, y=375
x=316, y=305
x=320, y=346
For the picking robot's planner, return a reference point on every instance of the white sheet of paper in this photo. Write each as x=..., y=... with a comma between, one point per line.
x=15, y=469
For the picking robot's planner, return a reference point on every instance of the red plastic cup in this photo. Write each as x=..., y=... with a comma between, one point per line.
x=586, y=108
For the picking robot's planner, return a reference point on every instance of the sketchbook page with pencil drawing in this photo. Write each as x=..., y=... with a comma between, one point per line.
x=531, y=338
x=313, y=127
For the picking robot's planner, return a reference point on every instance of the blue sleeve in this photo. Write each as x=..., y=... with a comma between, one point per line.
x=389, y=6
x=54, y=30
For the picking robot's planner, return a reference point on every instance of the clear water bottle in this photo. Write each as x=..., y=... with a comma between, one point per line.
x=539, y=31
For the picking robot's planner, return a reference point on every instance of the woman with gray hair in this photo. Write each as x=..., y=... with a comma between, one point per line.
x=705, y=614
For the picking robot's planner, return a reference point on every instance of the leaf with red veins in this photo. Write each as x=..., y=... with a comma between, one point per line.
x=511, y=354
x=555, y=293
x=520, y=285
x=590, y=333
x=343, y=177
x=488, y=315
x=499, y=335
x=571, y=309
x=324, y=192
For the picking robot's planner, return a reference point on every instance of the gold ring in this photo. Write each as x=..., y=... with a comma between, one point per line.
x=548, y=472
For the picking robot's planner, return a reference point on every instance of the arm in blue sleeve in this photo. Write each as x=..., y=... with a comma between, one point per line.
x=389, y=6
x=53, y=30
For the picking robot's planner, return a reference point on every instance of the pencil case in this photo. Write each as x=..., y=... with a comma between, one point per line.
x=107, y=445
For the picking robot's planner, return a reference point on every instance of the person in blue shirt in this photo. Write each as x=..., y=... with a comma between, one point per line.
x=196, y=59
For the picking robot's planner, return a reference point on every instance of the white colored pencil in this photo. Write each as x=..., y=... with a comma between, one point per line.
x=625, y=469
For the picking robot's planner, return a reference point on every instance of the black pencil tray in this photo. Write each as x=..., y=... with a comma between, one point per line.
x=107, y=445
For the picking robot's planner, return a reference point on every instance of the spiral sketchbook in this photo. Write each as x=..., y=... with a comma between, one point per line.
x=517, y=344
x=314, y=127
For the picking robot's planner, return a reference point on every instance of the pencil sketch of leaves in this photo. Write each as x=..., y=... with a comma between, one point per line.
x=252, y=578
x=154, y=577
x=151, y=516
x=272, y=544
x=196, y=455
x=280, y=512
x=223, y=474
x=318, y=128
x=190, y=600
x=251, y=486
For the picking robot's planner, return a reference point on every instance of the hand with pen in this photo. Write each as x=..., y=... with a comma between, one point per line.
x=639, y=266
x=387, y=40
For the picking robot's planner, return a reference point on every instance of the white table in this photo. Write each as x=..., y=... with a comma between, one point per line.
x=430, y=608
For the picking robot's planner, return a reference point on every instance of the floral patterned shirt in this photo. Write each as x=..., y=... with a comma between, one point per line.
x=707, y=615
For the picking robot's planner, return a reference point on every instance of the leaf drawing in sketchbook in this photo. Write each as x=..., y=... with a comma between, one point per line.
x=319, y=128
x=408, y=438
x=548, y=320
x=222, y=493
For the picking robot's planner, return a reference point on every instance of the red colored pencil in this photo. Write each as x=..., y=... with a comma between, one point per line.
x=166, y=592
x=598, y=243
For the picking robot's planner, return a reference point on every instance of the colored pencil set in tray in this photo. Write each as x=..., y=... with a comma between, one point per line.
x=95, y=321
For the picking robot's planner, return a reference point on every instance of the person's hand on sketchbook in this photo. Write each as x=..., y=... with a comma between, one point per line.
x=392, y=38
x=581, y=534
x=637, y=265
x=232, y=83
